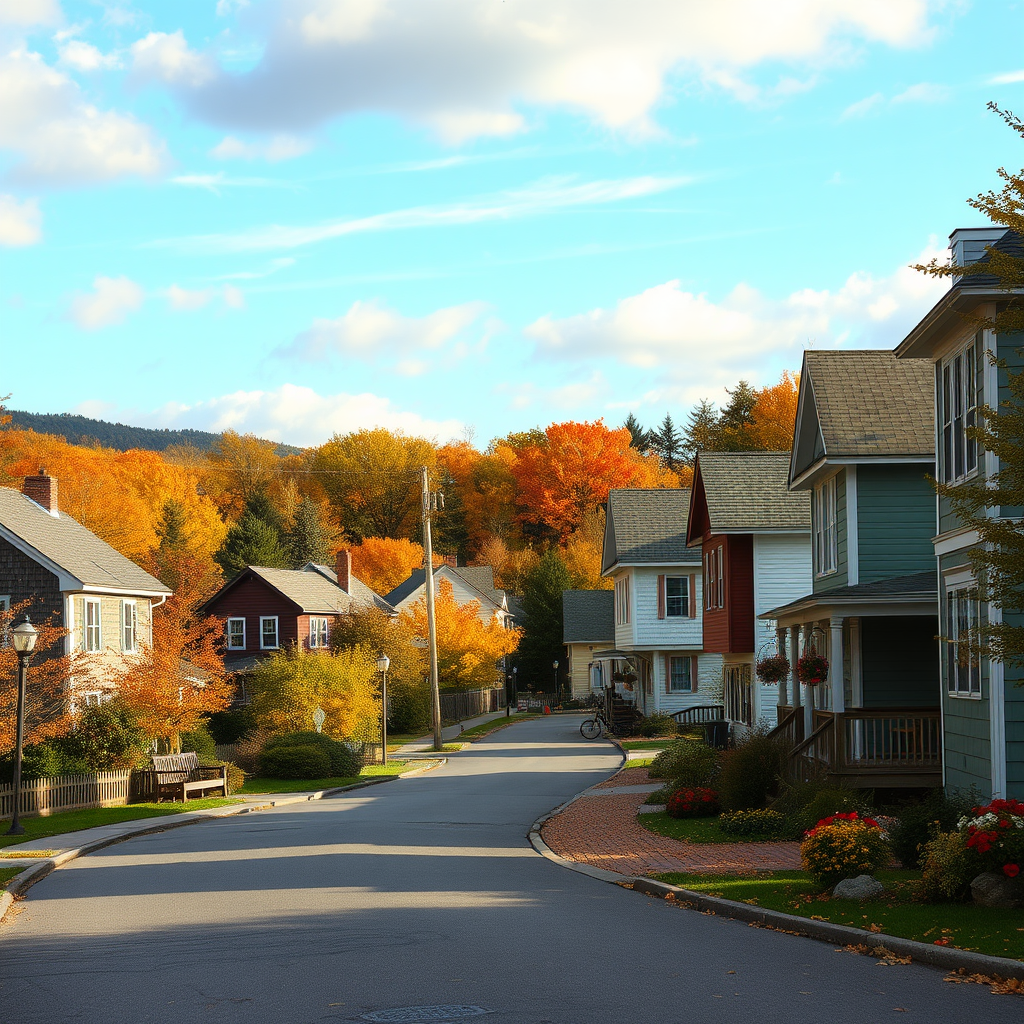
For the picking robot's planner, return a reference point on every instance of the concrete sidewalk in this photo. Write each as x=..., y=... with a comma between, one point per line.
x=449, y=734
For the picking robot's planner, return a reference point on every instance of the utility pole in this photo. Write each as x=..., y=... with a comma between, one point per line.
x=430, y=503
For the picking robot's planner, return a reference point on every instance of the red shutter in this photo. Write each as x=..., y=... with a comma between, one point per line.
x=693, y=595
x=661, y=597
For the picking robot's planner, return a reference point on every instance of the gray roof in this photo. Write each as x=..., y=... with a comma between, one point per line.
x=76, y=551
x=309, y=590
x=647, y=527
x=915, y=587
x=360, y=593
x=871, y=403
x=588, y=616
x=479, y=577
x=747, y=492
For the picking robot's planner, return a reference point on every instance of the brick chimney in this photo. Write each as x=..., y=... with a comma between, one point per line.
x=42, y=489
x=452, y=560
x=343, y=569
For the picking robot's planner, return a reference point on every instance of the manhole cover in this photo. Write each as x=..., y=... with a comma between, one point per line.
x=412, y=1014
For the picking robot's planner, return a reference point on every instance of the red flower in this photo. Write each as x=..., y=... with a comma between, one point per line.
x=1011, y=870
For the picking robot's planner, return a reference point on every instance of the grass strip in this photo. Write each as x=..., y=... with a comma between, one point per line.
x=691, y=830
x=91, y=817
x=6, y=874
x=898, y=912
x=258, y=785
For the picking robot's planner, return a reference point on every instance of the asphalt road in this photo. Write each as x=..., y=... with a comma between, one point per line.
x=421, y=893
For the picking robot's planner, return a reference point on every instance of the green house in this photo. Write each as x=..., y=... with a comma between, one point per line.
x=982, y=700
x=863, y=446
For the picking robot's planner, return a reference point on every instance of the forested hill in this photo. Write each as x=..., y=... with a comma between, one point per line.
x=82, y=429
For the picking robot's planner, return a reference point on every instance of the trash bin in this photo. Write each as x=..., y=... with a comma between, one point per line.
x=716, y=734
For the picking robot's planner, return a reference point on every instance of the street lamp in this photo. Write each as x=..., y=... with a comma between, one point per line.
x=383, y=664
x=23, y=640
x=554, y=665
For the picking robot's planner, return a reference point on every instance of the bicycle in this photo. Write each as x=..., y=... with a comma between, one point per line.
x=594, y=728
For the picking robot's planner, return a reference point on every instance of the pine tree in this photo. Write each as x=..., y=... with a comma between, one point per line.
x=256, y=539
x=172, y=528
x=542, y=644
x=737, y=417
x=702, y=429
x=640, y=439
x=308, y=540
x=667, y=442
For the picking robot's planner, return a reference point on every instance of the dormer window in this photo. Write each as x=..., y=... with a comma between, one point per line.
x=826, y=537
x=958, y=413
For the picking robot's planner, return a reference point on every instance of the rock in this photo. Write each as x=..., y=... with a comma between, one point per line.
x=863, y=887
x=992, y=890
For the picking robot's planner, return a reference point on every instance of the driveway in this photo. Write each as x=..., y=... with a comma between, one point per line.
x=421, y=893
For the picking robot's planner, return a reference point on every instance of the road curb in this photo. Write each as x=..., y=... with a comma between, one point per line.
x=24, y=880
x=946, y=957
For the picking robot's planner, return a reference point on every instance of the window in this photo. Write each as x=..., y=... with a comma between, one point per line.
x=720, y=565
x=318, y=632
x=129, y=626
x=958, y=408
x=677, y=596
x=714, y=578
x=680, y=675
x=622, y=602
x=739, y=705
x=826, y=539
x=963, y=665
x=91, y=635
x=234, y=630
x=91, y=700
x=268, y=632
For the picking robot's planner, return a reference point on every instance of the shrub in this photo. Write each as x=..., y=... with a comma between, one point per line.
x=657, y=725
x=692, y=802
x=755, y=822
x=248, y=749
x=43, y=760
x=946, y=867
x=231, y=726
x=200, y=742
x=295, y=762
x=107, y=738
x=820, y=803
x=752, y=771
x=919, y=822
x=686, y=763
x=342, y=760
x=995, y=836
x=236, y=777
x=842, y=846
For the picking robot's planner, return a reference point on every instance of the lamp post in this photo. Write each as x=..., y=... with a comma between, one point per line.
x=554, y=665
x=383, y=664
x=23, y=640
x=515, y=685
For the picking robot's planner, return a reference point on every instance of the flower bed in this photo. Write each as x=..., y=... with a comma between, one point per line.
x=843, y=846
x=692, y=802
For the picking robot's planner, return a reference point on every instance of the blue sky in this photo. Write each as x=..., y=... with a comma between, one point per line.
x=466, y=217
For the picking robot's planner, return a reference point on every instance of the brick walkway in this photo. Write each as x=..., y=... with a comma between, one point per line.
x=600, y=829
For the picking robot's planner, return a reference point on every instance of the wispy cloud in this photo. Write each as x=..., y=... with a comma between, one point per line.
x=1009, y=78
x=215, y=182
x=547, y=196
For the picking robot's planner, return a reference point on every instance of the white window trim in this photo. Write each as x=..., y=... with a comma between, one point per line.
x=684, y=599
x=826, y=527
x=227, y=632
x=949, y=657
x=720, y=565
x=622, y=617
x=314, y=632
x=691, y=674
x=98, y=626
x=945, y=414
x=277, y=633
x=129, y=609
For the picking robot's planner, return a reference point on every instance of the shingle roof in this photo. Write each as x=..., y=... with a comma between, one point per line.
x=360, y=593
x=309, y=590
x=914, y=587
x=64, y=542
x=647, y=526
x=871, y=403
x=588, y=616
x=749, y=491
x=479, y=577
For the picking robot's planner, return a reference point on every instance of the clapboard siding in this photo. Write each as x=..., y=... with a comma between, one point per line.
x=709, y=682
x=896, y=521
x=840, y=577
x=648, y=628
x=252, y=599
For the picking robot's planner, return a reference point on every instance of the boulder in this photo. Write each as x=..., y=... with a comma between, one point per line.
x=992, y=890
x=863, y=887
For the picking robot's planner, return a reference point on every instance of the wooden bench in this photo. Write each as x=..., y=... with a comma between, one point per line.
x=175, y=776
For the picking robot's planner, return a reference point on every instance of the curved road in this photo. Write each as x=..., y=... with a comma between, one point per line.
x=419, y=893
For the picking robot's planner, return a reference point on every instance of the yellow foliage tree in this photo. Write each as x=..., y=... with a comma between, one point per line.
x=289, y=686
x=511, y=567
x=468, y=649
x=774, y=415
x=384, y=562
x=583, y=554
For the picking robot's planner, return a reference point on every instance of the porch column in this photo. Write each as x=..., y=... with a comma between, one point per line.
x=794, y=656
x=806, y=632
x=835, y=670
x=780, y=634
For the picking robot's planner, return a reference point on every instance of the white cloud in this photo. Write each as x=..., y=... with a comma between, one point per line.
x=924, y=92
x=299, y=415
x=371, y=331
x=864, y=106
x=82, y=56
x=215, y=182
x=61, y=138
x=671, y=329
x=113, y=299
x=21, y=223
x=166, y=57
x=1010, y=78
x=226, y=7
x=531, y=200
x=29, y=12
x=188, y=300
x=465, y=67
x=280, y=147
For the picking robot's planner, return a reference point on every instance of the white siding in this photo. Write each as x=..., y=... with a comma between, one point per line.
x=624, y=632
x=709, y=682
x=672, y=632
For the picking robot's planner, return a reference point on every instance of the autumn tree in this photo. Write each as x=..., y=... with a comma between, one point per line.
x=384, y=562
x=188, y=570
x=289, y=686
x=372, y=480
x=773, y=416
x=489, y=497
x=582, y=554
x=468, y=649
x=455, y=464
x=512, y=566
x=308, y=539
x=243, y=464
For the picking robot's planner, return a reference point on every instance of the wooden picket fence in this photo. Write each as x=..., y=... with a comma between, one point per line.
x=67, y=793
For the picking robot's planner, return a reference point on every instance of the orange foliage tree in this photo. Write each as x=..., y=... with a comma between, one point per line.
x=774, y=415
x=511, y=567
x=489, y=496
x=583, y=554
x=468, y=649
x=561, y=481
x=384, y=562
x=46, y=708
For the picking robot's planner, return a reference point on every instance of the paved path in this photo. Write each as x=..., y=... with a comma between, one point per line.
x=449, y=734
x=419, y=893
x=601, y=829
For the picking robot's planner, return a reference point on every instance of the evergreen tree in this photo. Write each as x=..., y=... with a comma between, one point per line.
x=640, y=439
x=702, y=429
x=451, y=534
x=667, y=442
x=308, y=540
x=737, y=416
x=259, y=504
x=542, y=643
x=172, y=529
x=256, y=539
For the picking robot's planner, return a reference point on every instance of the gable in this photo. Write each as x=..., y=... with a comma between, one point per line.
x=698, y=523
x=808, y=443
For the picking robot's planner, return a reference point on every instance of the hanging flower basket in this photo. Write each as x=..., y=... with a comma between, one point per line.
x=812, y=669
x=772, y=669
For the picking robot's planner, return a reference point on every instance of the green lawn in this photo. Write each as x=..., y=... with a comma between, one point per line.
x=691, y=830
x=488, y=727
x=6, y=874
x=658, y=744
x=982, y=929
x=74, y=821
x=640, y=762
x=255, y=785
